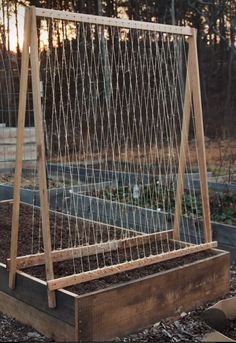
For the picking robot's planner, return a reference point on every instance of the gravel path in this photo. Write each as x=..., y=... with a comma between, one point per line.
x=184, y=327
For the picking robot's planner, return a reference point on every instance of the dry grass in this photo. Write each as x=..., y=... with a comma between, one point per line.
x=220, y=155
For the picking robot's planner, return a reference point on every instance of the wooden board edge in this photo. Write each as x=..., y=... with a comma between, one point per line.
x=47, y=325
x=99, y=20
x=33, y=292
x=219, y=253
x=89, y=308
x=37, y=280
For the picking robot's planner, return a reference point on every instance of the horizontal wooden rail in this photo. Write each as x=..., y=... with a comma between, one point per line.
x=122, y=267
x=88, y=250
x=124, y=23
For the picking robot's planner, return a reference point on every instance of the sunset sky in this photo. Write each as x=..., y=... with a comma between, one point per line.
x=13, y=37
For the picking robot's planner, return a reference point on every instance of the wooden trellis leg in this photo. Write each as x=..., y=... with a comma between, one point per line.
x=193, y=92
x=38, y=120
x=19, y=147
x=182, y=154
x=196, y=90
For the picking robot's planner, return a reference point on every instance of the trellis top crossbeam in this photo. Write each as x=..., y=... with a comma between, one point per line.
x=123, y=23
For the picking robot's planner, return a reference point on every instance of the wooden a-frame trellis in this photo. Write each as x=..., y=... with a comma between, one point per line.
x=192, y=101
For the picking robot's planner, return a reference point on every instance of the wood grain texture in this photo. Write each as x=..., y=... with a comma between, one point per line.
x=182, y=157
x=200, y=142
x=47, y=325
x=38, y=121
x=124, y=309
x=33, y=292
x=19, y=147
x=99, y=20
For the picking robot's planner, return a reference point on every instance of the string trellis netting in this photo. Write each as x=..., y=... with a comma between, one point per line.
x=119, y=130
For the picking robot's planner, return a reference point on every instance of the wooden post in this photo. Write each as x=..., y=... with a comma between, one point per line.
x=182, y=155
x=19, y=147
x=200, y=142
x=38, y=120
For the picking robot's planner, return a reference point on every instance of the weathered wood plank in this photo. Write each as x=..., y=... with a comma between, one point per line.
x=93, y=19
x=11, y=132
x=182, y=156
x=12, y=140
x=44, y=323
x=20, y=147
x=135, y=305
x=9, y=151
x=200, y=142
x=38, y=120
x=33, y=292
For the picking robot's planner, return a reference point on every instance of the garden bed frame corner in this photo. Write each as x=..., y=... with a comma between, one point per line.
x=84, y=317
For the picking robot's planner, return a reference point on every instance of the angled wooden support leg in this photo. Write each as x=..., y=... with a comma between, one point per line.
x=182, y=155
x=19, y=147
x=198, y=117
x=38, y=119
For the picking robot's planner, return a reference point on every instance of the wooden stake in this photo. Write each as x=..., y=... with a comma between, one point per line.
x=200, y=142
x=19, y=147
x=182, y=156
x=38, y=119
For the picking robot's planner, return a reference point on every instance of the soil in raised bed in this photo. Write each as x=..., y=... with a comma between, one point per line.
x=29, y=238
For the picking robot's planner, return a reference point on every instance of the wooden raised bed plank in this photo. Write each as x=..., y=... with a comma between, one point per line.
x=120, y=309
x=44, y=323
x=11, y=132
x=74, y=279
x=33, y=292
x=124, y=309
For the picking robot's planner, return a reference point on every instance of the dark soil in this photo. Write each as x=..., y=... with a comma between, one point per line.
x=64, y=231
x=64, y=234
x=137, y=273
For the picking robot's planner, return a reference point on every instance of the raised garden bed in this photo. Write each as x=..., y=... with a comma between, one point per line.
x=111, y=302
